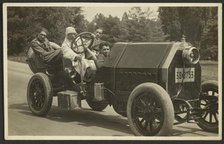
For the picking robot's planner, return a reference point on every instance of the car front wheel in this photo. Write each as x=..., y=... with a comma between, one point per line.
x=209, y=105
x=150, y=110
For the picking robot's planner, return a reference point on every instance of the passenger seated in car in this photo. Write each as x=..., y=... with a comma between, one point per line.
x=81, y=65
x=104, y=50
x=49, y=52
x=97, y=40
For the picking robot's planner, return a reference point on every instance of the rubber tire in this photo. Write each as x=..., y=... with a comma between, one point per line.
x=97, y=105
x=166, y=103
x=48, y=94
x=206, y=85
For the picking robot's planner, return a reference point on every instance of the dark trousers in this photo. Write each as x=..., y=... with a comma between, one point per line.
x=55, y=64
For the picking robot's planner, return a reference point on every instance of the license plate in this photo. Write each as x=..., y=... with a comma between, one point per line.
x=184, y=75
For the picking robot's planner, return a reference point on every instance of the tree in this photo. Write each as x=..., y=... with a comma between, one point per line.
x=24, y=23
x=136, y=25
x=209, y=36
x=110, y=26
x=141, y=26
x=198, y=24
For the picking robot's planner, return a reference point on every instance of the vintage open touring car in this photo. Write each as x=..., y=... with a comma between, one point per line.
x=154, y=85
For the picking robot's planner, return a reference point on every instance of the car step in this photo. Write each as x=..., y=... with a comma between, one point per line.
x=68, y=100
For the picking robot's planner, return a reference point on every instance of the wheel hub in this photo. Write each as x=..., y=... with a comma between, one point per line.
x=211, y=103
x=149, y=112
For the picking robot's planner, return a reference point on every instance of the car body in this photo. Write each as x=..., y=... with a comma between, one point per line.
x=149, y=83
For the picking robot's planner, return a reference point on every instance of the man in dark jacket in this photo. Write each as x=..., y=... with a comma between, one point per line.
x=49, y=52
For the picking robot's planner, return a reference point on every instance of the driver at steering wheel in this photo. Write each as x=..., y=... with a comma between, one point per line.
x=77, y=56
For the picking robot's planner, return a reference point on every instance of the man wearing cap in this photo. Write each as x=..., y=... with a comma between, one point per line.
x=49, y=52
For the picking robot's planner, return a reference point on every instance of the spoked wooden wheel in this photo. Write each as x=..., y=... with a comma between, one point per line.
x=209, y=103
x=181, y=109
x=150, y=110
x=39, y=94
x=148, y=114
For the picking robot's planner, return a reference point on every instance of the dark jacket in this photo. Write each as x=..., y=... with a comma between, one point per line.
x=100, y=60
x=96, y=44
x=46, y=52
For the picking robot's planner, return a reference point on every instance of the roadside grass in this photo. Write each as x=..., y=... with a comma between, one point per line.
x=209, y=68
x=21, y=58
x=209, y=71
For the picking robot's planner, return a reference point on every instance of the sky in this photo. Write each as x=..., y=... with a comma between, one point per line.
x=90, y=12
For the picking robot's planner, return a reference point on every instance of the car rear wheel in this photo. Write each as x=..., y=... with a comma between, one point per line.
x=150, y=110
x=209, y=104
x=97, y=105
x=118, y=108
x=39, y=94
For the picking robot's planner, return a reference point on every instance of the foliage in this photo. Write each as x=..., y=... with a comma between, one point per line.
x=198, y=24
x=24, y=24
x=136, y=26
x=109, y=25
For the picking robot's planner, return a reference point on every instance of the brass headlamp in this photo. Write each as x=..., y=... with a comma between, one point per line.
x=191, y=55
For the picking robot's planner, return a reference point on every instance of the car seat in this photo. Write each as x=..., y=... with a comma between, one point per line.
x=34, y=61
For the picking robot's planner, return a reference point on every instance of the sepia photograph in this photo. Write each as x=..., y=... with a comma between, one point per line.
x=112, y=71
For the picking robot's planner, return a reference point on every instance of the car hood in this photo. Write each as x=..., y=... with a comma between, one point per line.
x=138, y=55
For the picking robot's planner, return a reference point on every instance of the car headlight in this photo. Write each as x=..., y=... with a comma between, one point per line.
x=191, y=55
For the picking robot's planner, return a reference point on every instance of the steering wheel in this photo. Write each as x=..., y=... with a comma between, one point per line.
x=82, y=42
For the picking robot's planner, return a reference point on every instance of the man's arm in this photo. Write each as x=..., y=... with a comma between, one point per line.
x=45, y=55
x=100, y=61
x=54, y=45
x=90, y=54
x=68, y=52
x=37, y=48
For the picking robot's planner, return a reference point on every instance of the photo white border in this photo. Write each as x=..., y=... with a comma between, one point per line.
x=203, y=138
